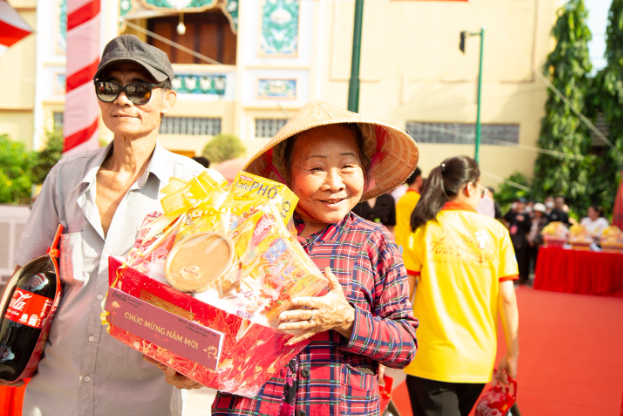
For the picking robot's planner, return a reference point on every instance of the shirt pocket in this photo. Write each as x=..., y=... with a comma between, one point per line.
x=359, y=391
x=71, y=269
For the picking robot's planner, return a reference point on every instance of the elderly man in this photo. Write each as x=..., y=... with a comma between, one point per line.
x=101, y=198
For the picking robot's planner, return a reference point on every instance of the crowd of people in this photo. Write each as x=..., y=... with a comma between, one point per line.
x=525, y=219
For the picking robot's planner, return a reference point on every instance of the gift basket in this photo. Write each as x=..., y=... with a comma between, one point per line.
x=611, y=239
x=580, y=238
x=555, y=234
x=202, y=288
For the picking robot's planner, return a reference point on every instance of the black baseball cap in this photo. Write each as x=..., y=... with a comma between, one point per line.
x=129, y=48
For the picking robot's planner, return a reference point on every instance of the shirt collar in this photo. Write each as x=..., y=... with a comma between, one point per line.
x=158, y=165
x=94, y=166
x=338, y=227
x=457, y=206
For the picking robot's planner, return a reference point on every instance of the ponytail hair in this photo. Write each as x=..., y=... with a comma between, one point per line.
x=445, y=182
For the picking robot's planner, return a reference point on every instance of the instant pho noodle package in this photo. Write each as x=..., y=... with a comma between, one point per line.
x=202, y=288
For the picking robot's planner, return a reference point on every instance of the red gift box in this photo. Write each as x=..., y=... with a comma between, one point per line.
x=215, y=348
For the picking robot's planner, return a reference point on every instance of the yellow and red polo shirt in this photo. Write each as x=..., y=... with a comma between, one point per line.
x=404, y=209
x=459, y=259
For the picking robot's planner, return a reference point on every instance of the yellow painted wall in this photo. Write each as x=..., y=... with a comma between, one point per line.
x=412, y=69
x=18, y=125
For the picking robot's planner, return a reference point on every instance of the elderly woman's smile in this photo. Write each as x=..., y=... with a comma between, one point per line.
x=326, y=174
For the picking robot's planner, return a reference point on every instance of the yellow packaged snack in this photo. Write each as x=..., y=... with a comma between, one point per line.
x=274, y=268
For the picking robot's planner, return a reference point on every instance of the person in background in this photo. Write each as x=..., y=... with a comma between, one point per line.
x=529, y=208
x=534, y=238
x=380, y=210
x=487, y=205
x=498, y=214
x=519, y=226
x=398, y=192
x=202, y=161
x=465, y=266
x=556, y=212
x=405, y=207
x=595, y=223
x=101, y=198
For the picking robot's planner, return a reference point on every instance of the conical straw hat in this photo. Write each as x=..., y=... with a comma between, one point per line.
x=392, y=153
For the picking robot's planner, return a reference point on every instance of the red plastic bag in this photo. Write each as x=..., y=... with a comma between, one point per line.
x=498, y=400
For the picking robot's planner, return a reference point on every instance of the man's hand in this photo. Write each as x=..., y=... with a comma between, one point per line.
x=323, y=313
x=173, y=377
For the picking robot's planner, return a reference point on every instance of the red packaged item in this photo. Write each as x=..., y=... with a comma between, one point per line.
x=201, y=290
x=28, y=307
x=498, y=400
x=385, y=393
x=218, y=349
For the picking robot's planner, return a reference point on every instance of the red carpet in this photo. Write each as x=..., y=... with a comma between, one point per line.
x=571, y=355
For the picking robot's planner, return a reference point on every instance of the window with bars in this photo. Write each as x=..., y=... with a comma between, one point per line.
x=57, y=116
x=268, y=127
x=463, y=133
x=191, y=126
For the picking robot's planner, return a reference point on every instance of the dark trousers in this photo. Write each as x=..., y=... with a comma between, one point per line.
x=437, y=398
x=524, y=260
x=533, y=257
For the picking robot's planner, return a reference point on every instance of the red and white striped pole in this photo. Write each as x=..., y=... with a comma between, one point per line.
x=80, y=125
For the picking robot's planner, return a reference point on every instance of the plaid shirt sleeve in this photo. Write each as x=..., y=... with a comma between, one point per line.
x=387, y=333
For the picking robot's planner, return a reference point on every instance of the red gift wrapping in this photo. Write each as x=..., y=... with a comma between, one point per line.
x=249, y=355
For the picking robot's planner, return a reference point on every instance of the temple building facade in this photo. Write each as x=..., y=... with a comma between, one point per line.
x=245, y=67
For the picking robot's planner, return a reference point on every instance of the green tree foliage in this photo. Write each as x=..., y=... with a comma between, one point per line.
x=223, y=147
x=568, y=66
x=15, y=171
x=48, y=156
x=606, y=98
x=508, y=193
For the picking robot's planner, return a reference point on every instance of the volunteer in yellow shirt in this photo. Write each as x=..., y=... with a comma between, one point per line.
x=405, y=207
x=465, y=266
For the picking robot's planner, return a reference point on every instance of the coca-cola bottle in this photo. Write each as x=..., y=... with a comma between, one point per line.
x=28, y=306
x=25, y=316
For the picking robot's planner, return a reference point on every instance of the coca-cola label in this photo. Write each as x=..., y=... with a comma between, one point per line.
x=28, y=308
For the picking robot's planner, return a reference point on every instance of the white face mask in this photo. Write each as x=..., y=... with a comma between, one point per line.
x=528, y=209
x=550, y=204
x=514, y=205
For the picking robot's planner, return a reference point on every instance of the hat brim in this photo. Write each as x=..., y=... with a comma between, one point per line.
x=393, y=154
x=155, y=73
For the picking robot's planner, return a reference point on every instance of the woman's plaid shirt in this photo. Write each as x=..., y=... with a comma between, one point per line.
x=338, y=376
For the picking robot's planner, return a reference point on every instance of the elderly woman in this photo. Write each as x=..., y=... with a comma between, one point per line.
x=332, y=159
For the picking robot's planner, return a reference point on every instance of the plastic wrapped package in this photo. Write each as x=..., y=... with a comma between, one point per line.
x=203, y=286
x=611, y=239
x=555, y=234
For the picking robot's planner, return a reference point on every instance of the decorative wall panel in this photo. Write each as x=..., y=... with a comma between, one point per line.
x=277, y=88
x=199, y=84
x=279, y=28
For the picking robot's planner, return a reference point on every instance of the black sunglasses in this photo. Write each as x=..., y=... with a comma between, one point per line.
x=137, y=92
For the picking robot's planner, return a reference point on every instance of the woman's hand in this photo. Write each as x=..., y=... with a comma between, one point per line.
x=507, y=367
x=331, y=311
x=173, y=377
